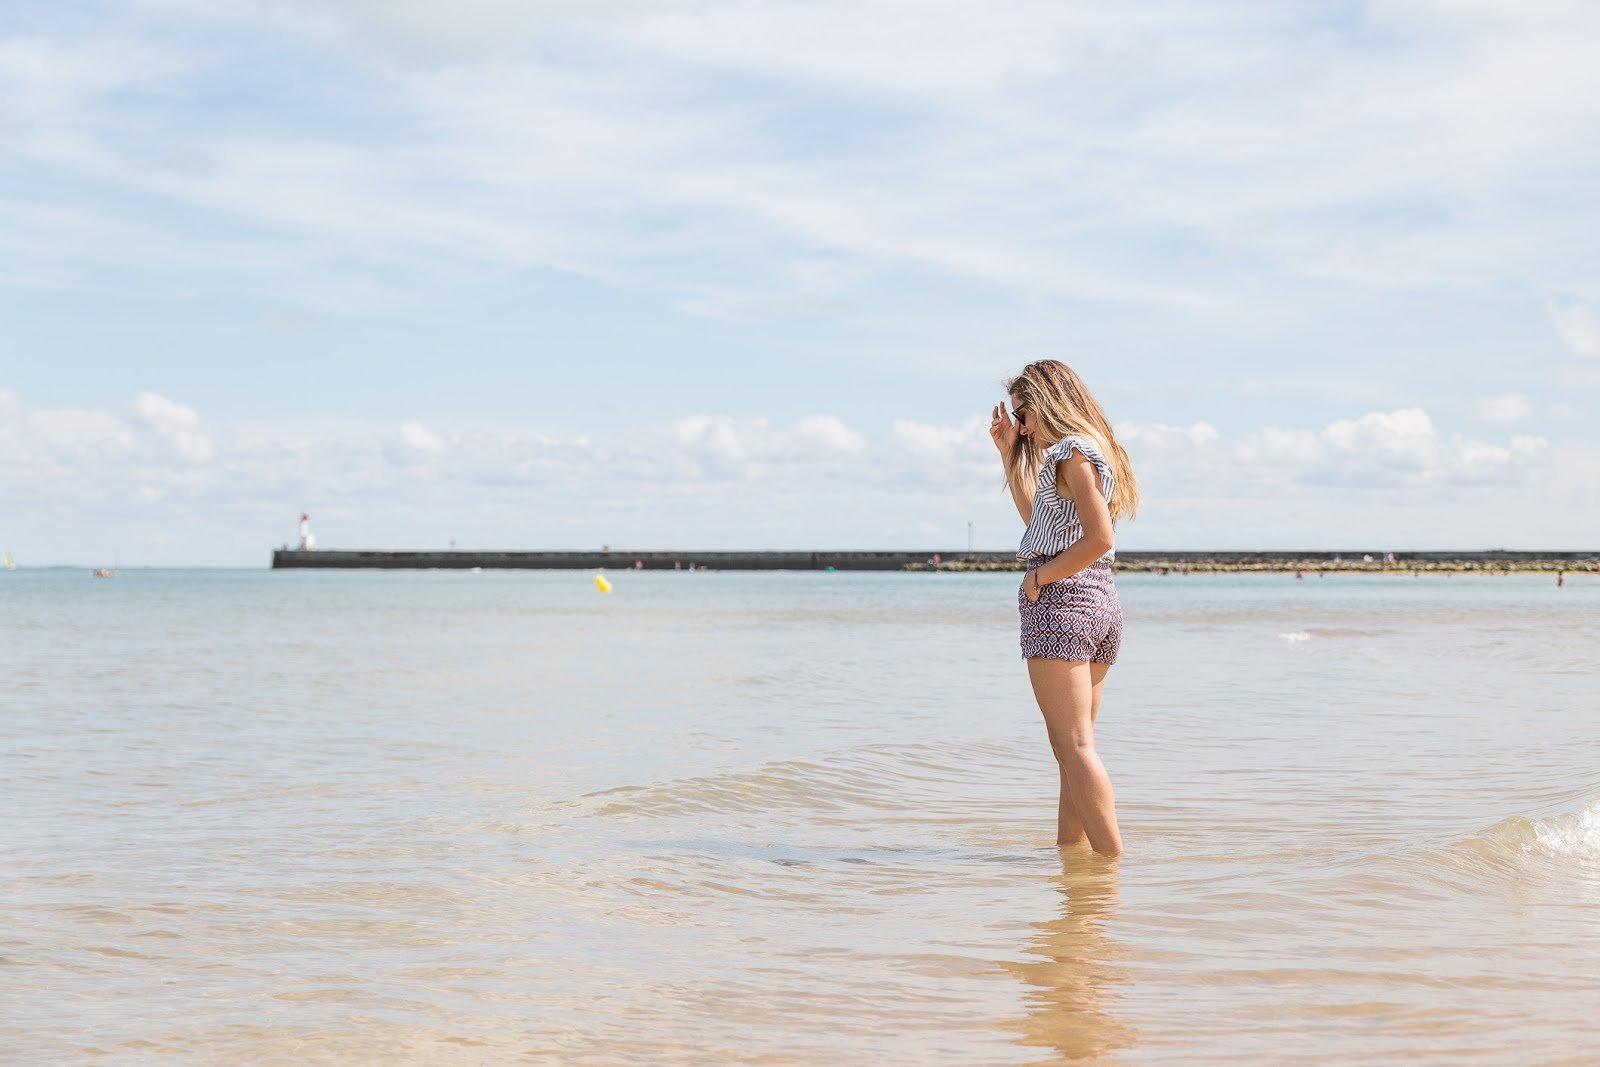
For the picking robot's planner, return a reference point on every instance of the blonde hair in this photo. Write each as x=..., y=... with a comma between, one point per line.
x=1062, y=407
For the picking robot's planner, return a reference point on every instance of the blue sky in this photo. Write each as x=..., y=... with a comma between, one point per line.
x=700, y=274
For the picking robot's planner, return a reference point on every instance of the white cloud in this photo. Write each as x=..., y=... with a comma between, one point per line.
x=717, y=480
x=934, y=447
x=48, y=80
x=74, y=432
x=1378, y=449
x=750, y=448
x=1392, y=435
x=1272, y=448
x=829, y=436
x=1563, y=412
x=1577, y=326
x=467, y=30
x=719, y=444
x=1034, y=152
x=1504, y=409
x=422, y=440
x=176, y=424
x=1375, y=450
x=1156, y=437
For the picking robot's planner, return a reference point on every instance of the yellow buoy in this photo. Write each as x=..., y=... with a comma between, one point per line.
x=601, y=584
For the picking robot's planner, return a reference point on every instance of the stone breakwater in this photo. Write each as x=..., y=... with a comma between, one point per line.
x=1172, y=563
x=1163, y=562
x=604, y=559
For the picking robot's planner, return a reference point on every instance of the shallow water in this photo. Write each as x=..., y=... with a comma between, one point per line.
x=787, y=818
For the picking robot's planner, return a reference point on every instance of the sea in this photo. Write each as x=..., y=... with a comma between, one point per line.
x=367, y=817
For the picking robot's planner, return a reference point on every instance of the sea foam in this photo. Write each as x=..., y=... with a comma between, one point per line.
x=1575, y=836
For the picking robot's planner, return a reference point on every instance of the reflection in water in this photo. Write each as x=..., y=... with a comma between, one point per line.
x=1071, y=970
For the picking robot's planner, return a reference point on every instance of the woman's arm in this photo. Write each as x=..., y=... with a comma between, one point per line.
x=1082, y=482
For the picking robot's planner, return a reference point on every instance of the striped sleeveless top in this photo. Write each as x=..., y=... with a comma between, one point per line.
x=1053, y=525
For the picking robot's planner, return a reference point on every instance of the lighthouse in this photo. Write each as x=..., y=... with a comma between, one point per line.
x=308, y=540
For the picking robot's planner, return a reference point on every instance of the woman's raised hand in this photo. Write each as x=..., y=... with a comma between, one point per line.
x=1004, y=429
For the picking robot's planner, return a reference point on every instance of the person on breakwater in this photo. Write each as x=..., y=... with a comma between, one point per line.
x=1071, y=481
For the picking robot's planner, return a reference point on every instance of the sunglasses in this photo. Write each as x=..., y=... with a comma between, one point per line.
x=1016, y=414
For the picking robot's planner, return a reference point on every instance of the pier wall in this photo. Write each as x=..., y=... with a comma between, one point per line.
x=1321, y=559
x=652, y=560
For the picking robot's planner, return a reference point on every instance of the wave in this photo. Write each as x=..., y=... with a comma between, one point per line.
x=1574, y=836
x=878, y=778
x=1520, y=846
x=1330, y=631
x=1570, y=836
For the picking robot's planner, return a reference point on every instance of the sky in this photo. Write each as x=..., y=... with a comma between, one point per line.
x=678, y=275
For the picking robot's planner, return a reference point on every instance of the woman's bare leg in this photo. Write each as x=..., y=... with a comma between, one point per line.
x=1069, y=825
x=1069, y=696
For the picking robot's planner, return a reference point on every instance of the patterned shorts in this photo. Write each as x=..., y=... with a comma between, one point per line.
x=1076, y=618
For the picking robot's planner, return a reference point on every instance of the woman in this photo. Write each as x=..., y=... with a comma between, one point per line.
x=1071, y=481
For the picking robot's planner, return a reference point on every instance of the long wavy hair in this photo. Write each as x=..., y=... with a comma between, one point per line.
x=1062, y=406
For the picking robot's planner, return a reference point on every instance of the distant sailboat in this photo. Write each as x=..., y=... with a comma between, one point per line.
x=11, y=564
